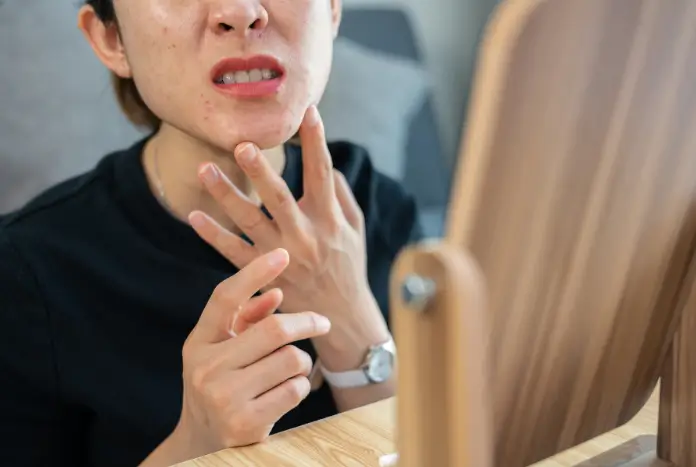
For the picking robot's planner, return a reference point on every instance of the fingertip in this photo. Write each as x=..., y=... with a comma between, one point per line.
x=322, y=323
x=302, y=387
x=245, y=152
x=277, y=294
x=197, y=219
x=209, y=174
x=279, y=257
x=312, y=117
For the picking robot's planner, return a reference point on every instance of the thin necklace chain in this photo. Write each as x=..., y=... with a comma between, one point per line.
x=160, y=187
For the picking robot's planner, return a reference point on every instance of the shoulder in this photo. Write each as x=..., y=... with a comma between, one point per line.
x=58, y=204
x=390, y=210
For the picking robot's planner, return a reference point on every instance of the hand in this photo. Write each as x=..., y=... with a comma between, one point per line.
x=323, y=233
x=240, y=373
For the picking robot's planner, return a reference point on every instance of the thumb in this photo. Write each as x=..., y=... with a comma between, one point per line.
x=255, y=310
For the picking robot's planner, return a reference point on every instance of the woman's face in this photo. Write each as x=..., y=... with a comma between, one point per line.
x=227, y=71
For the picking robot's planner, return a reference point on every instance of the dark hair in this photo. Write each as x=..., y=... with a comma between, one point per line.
x=126, y=91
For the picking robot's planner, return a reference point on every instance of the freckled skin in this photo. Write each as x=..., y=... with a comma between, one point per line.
x=173, y=75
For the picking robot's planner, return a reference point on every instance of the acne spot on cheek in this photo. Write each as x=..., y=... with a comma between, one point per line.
x=208, y=109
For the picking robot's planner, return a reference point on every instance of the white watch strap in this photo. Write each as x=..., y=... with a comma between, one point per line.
x=345, y=379
x=351, y=378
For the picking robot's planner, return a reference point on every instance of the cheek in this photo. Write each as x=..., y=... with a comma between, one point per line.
x=157, y=56
x=208, y=109
x=154, y=33
x=308, y=31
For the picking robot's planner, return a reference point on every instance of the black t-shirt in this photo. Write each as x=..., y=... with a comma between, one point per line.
x=99, y=288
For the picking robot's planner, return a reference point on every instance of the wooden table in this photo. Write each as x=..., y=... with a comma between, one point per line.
x=358, y=438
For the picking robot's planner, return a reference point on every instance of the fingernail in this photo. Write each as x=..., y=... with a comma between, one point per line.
x=210, y=174
x=278, y=257
x=246, y=153
x=312, y=116
x=323, y=324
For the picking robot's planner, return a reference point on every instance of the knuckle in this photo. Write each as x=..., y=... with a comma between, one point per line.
x=278, y=328
x=221, y=292
x=199, y=378
x=309, y=251
x=296, y=390
x=229, y=198
x=251, y=220
x=217, y=397
x=284, y=197
x=297, y=360
x=243, y=425
x=334, y=226
x=324, y=168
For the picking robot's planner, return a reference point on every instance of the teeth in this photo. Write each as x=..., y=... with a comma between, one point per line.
x=255, y=75
x=251, y=76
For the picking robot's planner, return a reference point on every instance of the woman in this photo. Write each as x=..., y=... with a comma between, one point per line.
x=137, y=301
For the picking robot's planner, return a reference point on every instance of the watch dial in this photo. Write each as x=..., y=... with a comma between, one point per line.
x=381, y=366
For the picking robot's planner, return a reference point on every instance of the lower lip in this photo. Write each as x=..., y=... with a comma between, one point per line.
x=251, y=90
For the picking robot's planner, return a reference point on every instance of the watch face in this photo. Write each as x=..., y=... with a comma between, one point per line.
x=381, y=366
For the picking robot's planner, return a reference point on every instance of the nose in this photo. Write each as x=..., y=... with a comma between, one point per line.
x=237, y=16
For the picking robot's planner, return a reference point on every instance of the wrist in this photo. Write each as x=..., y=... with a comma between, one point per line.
x=346, y=345
x=176, y=448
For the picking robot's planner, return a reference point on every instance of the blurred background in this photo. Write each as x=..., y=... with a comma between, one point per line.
x=400, y=87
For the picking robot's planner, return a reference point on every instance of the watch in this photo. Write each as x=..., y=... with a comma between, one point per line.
x=378, y=367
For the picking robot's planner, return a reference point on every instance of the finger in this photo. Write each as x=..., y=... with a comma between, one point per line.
x=256, y=310
x=237, y=251
x=317, y=163
x=272, y=333
x=274, y=369
x=351, y=210
x=271, y=406
x=271, y=188
x=243, y=212
x=215, y=321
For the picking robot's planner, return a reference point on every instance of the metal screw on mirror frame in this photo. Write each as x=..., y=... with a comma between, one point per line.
x=417, y=292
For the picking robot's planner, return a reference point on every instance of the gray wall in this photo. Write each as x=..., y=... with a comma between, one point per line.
x=48, y=75
x=449, y=32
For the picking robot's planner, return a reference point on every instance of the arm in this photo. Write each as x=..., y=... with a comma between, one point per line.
x=35, y=427
x=325, y=234
x=345, y=350
x=347, y=347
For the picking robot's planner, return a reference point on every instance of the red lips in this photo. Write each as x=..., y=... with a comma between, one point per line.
x=257, y=76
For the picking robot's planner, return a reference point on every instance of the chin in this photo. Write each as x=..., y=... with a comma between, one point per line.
x=266, y=132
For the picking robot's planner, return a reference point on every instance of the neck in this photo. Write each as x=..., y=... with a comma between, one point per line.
x=172, y=159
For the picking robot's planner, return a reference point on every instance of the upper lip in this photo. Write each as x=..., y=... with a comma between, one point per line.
x=233, y=64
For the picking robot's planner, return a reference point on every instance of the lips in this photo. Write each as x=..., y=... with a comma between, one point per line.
x=239, y=71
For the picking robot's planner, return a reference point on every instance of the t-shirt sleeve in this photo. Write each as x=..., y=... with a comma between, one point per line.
x=35, y=428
